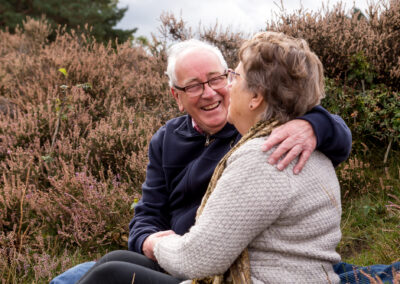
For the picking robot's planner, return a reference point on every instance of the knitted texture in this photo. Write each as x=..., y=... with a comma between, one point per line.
x=239, y=272
x=290, y=224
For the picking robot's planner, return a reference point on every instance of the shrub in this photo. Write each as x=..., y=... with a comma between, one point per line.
x=336, y=37
x=372, y=115
x=75, y=120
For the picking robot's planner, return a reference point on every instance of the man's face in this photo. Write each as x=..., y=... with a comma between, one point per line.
x=210, y=109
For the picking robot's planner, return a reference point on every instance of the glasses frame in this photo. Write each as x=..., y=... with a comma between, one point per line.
x=232, y=76
x=184, y=89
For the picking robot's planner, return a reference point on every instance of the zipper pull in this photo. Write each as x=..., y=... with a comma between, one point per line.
x=208, y=140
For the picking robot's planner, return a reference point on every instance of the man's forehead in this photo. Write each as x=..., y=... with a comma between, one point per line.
x=197, y=57
x=199, y=61
x=197, y=51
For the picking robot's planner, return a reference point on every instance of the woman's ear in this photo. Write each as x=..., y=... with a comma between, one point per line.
x=257, y=101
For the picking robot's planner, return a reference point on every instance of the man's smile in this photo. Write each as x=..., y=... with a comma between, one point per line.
x=212, y=106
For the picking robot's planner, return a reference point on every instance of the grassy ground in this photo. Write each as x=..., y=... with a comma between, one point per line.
x=370, y=220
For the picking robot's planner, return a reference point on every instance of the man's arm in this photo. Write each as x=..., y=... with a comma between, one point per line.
x=151, y=214
x=316, y=129
x=333, y=135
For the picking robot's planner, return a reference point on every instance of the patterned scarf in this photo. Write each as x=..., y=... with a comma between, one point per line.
x=239, y=272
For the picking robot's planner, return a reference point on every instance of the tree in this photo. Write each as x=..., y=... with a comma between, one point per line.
x=101, y=15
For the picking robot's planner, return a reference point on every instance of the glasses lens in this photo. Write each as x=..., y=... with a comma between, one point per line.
x=230, y=77
x=194, y=90
x=218, y=82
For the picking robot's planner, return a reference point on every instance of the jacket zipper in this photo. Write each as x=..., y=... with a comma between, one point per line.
x=208, y=140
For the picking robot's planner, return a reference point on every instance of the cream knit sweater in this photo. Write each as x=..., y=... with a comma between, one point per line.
x=289, y=223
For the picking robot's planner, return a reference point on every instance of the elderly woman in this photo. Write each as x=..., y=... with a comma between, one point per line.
x=284, y=227
x=257, y=224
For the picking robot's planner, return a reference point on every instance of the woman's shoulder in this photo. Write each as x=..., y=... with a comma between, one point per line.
x=249, y=157
x=252, y=149
x=252, y=145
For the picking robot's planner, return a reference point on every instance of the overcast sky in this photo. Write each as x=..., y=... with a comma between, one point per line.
x=245, y=15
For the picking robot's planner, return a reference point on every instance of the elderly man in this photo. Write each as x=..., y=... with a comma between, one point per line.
x=184, y=153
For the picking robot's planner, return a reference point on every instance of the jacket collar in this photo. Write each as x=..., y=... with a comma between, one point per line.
x=186, y=129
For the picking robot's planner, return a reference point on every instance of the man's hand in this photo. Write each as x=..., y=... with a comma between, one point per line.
x=296, y=138
x=150, y=242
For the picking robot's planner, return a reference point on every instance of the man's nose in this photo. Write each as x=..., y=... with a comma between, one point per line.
x=208, y=91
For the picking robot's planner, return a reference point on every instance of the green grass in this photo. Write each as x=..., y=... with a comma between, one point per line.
x=371, y=232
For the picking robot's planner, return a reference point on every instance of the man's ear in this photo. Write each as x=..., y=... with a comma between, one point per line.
x=257, y=101
x=177, y=99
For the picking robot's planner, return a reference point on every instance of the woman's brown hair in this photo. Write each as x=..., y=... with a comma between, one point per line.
x=285, y=72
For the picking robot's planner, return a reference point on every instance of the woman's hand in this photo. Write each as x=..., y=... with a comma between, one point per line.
x=150, y=242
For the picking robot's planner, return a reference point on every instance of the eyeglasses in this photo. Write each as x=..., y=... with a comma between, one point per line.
x=215, y=83
x=232, y=76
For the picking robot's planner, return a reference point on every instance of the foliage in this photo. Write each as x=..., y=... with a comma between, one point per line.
x=76, y=117
x=371, y=202
x=100, y=15
x=173, y=30
x=73, y=137
x=337, y=37
x=373, y=115
x=360, y=70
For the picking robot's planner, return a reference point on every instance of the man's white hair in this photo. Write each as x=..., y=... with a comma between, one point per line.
x=180, y=48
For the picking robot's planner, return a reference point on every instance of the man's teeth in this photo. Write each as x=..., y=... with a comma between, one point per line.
x=211, y=106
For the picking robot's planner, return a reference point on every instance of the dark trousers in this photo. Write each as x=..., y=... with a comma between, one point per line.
x=120, y=267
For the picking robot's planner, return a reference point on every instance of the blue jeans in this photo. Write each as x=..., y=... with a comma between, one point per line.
x=72, y=275
x=348, y=273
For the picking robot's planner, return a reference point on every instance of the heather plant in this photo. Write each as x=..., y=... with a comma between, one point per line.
x=337, y=36
x=76, y=117
x=173, y=29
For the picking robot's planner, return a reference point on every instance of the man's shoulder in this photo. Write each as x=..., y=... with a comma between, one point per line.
x=177, y=120
x=171, y=127
x=172, y=124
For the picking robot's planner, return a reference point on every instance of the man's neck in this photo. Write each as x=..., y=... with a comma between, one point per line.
x=197, y=127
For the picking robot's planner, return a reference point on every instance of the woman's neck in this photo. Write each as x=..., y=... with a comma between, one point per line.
x=244, y=127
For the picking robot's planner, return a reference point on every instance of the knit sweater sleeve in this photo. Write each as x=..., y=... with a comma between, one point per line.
x=248, y=197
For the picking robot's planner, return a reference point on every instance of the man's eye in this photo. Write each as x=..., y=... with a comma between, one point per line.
x=193, y=88
x=217, y=80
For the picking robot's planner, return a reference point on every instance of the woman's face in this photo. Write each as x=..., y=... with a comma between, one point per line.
x=239, y=112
